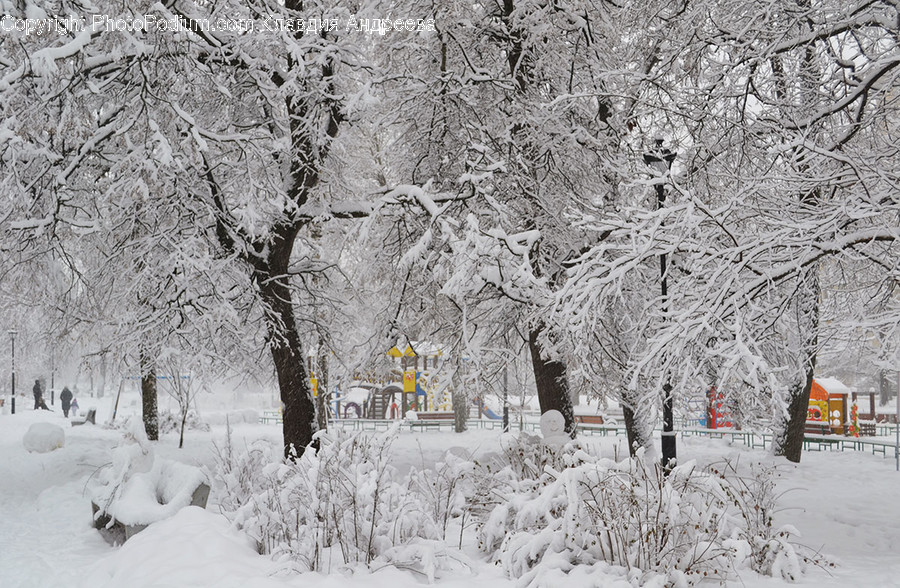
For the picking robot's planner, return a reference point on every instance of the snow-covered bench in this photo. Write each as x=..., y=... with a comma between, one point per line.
x=90, y=417
x=138, y=489
x=116, y=532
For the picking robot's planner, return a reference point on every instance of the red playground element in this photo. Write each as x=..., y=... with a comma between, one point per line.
x=717, y=416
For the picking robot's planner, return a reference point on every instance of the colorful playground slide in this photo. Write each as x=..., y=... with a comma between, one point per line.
x=487, y=411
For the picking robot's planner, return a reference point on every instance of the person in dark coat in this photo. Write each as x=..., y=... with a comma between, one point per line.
x=37, y=394
x=65, y=398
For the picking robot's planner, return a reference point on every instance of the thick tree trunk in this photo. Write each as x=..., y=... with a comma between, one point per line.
x=790, y=438
x=299, y=411
x=788, y=441
x=550, y=379
x=149, y=397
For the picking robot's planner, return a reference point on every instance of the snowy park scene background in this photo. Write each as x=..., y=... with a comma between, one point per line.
x=520, y=293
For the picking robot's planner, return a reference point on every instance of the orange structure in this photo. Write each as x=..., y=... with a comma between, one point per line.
x=828, y=402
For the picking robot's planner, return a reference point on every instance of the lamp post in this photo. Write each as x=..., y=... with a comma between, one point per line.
x=505, y=400
x=660, y=160
x=12, y=339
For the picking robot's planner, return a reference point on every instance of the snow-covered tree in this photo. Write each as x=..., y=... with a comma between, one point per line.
x=782, y=120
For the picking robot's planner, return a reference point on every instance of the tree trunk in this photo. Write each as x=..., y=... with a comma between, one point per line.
x=552, y=384
x=103, y=367
x=149, y=397
x=788, y=441
x=788, y=437
x=322, y=387
x=183, y=422
x=458, y=397
x=299, y=411
x=638, y=435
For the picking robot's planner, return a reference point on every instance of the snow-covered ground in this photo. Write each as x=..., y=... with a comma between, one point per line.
x=844, y=504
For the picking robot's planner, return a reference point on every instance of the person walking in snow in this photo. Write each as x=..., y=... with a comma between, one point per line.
x=74, y=407
x=38, y=392
x=65, y=398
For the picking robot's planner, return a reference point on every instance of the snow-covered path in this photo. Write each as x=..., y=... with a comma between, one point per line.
x=45, y=537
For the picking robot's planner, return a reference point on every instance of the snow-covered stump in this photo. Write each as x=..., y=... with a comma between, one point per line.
x=137, y=490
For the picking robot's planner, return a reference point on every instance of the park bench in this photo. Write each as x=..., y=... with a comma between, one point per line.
x=172, y=485
x=271, y=417
x=830, y=442
x=817, y=428
x=593, y=424
x=90, y=417
x=435, y=416
x=431, y=420
x=118, y=533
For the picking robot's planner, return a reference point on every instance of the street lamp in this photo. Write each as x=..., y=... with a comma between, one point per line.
x=660, y=160
x=505, y=400
x=12, y=338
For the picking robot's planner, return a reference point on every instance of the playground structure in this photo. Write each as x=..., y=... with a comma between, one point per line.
x=368, y=401
x=827, y=406
x=416, y=386
x=830, y=405
x=717, y=414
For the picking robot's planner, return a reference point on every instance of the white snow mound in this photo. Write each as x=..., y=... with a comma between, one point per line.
x=43, y=438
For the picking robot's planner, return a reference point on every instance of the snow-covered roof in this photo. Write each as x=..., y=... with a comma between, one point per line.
x=417, y=348
x=833, y=385
x=357, y=395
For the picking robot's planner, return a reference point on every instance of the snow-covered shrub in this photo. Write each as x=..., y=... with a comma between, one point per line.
x=341, y=504
x=445, y=490
x=528, y=457
x=460, y=492
x=239, y=474
x=170, y=421
x=631, y=519
x=762, y=546
x=465, y=490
